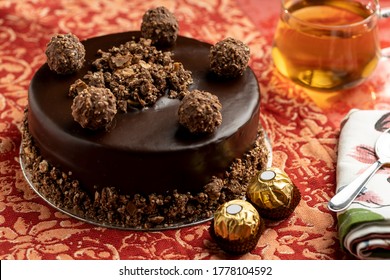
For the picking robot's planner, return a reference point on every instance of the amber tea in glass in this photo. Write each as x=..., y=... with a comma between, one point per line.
x=327, y=44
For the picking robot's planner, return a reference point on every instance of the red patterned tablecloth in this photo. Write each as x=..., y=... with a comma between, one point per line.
x=303, y=129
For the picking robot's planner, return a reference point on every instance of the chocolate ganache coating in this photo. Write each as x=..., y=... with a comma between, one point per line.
x=144, y=150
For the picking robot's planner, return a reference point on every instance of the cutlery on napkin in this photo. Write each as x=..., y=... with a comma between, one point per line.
x=364, y=227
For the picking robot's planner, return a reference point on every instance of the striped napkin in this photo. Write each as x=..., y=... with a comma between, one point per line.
x=364, y=228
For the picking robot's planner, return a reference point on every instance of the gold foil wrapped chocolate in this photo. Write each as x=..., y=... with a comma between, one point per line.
x=273, y=193
x=236, y=220
x=237, y=226
x=270, y=189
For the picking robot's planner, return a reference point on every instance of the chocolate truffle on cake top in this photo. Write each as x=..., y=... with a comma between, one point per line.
x=65, y=53
x=160, y=25
x=94, y=107
x=200, y=112
x=229, y=58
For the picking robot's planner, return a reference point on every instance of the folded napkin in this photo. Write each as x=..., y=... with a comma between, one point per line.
x=364, y=228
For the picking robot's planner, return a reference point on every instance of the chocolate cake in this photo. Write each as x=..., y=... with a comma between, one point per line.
x=144, y=170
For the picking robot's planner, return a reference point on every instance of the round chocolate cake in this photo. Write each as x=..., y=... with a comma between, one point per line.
x=144, y=169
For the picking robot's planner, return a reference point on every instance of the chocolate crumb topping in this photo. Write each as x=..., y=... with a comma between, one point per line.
x=229, y=58
x=200, y=112
x=65, y=53
x=94, y=107
x=213, y=189
x=161, y=26
x=137, y=74
x=77, y=87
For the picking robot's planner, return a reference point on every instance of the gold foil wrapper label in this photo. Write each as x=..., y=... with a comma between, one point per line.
x=270, y=189
x=267, y=175
x=233, y=209
x=236, y=220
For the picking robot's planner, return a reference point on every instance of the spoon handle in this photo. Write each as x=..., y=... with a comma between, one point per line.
x=345, y=196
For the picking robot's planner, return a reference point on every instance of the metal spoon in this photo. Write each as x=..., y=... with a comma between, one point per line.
x=347, y=194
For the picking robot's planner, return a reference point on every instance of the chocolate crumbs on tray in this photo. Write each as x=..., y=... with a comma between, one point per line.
x=108, y=207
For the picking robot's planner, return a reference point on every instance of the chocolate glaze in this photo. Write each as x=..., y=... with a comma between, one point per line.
x=146, y=150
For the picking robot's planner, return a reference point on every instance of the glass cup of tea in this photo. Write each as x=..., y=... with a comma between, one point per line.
x=327, y=45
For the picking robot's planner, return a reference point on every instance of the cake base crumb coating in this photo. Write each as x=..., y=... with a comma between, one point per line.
x=139, y=211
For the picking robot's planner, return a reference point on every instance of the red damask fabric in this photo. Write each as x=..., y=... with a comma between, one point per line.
x=303, y=132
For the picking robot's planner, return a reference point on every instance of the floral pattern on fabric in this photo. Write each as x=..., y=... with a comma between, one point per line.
x=303, y=136
x=364, y=227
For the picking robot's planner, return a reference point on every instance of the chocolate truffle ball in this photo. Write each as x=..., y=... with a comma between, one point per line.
x=94, y=108
x=200, y=112
x=160, y=25
x=273, y=194
x=65, y=54
x=229, y=58
x=237, y=227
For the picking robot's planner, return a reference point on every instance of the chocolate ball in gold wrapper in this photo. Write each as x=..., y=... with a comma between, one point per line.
x=237, y=227
x=273, y=194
